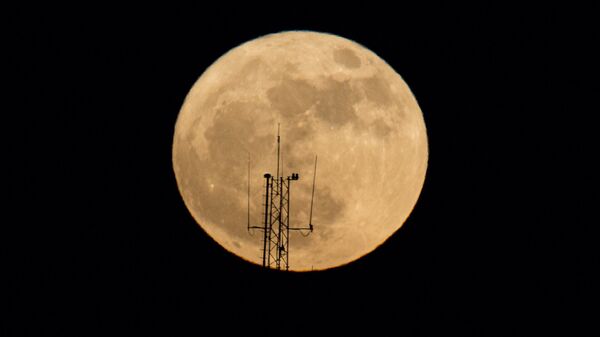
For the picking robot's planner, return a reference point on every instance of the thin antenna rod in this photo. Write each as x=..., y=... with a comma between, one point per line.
x=278, y=141
x=313, y=195
x=248, y=206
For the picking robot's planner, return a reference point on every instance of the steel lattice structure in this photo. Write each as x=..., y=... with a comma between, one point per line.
x=276, y=224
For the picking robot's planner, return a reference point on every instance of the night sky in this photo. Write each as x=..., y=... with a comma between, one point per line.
x=98, y=240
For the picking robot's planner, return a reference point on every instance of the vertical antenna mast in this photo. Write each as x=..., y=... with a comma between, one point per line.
x=248, y=198
x=278, y=141
x=266, y=227
x=312, y=197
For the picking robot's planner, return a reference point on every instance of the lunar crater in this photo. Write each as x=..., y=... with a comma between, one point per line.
x=347, y=58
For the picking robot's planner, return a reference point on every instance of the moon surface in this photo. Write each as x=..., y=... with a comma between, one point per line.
x=333, y=98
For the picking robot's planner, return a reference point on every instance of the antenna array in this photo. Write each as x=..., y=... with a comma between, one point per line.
x=276, y=215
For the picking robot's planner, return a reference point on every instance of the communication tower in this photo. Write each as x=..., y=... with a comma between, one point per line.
x=276, y=215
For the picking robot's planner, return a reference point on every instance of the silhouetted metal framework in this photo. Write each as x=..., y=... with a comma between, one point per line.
x=276, y=224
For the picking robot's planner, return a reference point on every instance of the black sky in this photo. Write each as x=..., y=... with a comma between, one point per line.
x=99, y=241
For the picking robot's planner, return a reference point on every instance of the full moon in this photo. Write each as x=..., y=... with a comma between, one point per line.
x=333, y=98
